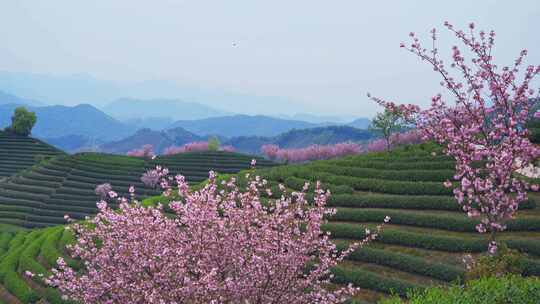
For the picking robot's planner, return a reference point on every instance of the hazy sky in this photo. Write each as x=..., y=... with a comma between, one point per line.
x=324, y=54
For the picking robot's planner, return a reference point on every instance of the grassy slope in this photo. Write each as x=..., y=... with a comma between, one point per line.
x=422, y=246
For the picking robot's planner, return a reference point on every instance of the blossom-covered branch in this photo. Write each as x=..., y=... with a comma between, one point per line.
x=484, y=129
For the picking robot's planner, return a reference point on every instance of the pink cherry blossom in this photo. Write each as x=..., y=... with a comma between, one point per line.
x=484, y=129
x=313, y=152
x=222, y=246
x=103, y=190
x=147, y=151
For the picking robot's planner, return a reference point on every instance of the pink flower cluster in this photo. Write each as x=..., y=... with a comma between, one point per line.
x=103, y=190
x=321, y=152
x=398, y=139
x=313, y=152
x=198, y=146
x=223, y=246
x=147, y=151
x=152, y=178
x=228, y=148
x=484, y=129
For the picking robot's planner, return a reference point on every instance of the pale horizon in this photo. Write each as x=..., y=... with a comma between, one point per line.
x=321, y=57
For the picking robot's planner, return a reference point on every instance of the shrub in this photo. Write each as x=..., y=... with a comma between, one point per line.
x=505, y=261
x=491, y=290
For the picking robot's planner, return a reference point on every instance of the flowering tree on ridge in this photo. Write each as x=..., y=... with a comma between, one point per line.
x=484, y=130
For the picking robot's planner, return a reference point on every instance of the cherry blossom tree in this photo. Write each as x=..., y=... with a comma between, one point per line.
x=397, y=139
x=151, y=178
x=484, y=129
x=313, y=152
x=228, y=148
x=223, y=246
x=199, y=146
x=147, y=151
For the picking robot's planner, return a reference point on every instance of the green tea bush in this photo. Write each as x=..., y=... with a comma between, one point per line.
x=491, y=290
x=49, y=250
x=428, y=241
x=397, y=165
x=372, y=281
x=27, y=260
x=454, y=222
x=422, y=202
x=9, y=269
x=403, y=175
x=406, y=263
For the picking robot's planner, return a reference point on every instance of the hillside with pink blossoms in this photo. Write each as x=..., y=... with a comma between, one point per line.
x=436, y=202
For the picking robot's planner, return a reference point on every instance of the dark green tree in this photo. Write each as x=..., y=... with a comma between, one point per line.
x=22, y=121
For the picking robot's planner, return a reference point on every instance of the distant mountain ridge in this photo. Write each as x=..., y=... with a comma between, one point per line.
x=58, y=121
x=297, y=138
x=300, y=138
x=6, y=98
x=360, y=123
x=130, y=108
x=242, y=125
x=84, y=88
x=160, y=140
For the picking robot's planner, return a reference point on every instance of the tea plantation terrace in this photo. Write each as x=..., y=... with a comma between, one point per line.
x=41, y=195
x=428, y=234
x=20, y=152
x=422, y=246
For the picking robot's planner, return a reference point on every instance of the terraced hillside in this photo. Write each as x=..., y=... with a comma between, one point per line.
x=422, y=246
x=20, y=152
x=42, y=195
x=424, y=243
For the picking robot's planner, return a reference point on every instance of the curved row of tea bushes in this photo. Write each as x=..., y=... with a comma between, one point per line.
x=9, y=264
x=25, y=253
x=303, y=174
x=421, y=202
x=398, y=175
x=42, y=195
x=408, y=263
x=396, y=165
x=18, y=153
x=370, y=280
x=429, y=241
x=450, y=222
